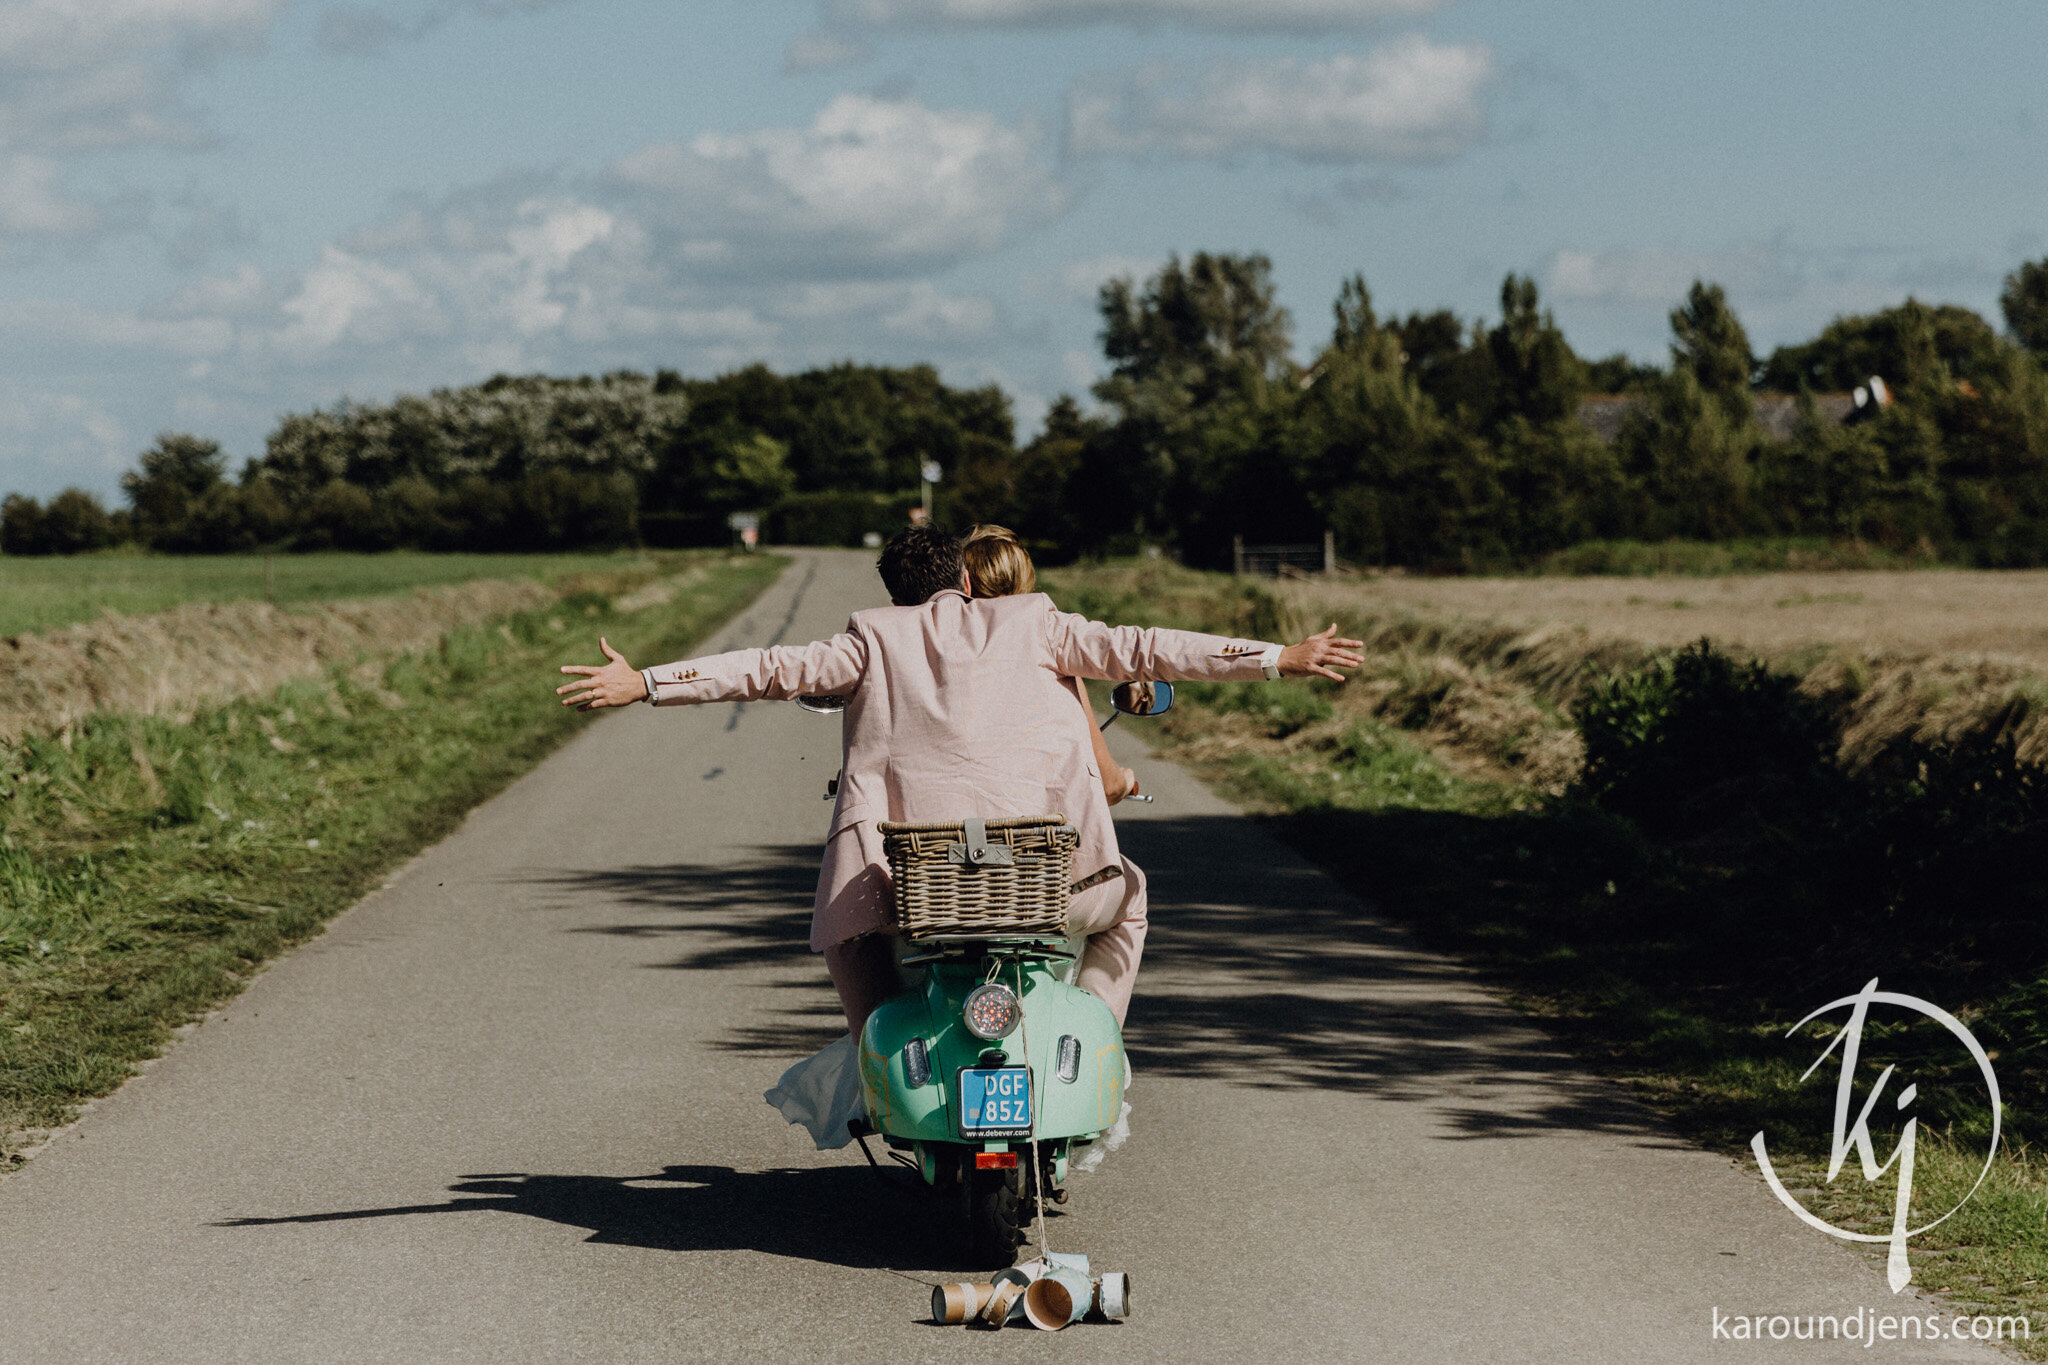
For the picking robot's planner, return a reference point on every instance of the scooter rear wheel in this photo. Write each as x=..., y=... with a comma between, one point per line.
x=995, y=1216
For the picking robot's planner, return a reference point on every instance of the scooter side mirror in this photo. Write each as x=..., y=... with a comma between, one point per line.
x=829, y=705
x=1142, y=698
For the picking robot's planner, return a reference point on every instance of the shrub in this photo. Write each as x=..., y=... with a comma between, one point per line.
x=1695, y=729
x=74, y=522
x=21, y=526
x=836, y=517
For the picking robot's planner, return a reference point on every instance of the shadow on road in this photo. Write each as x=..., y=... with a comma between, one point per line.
x=800, y=1214
x=1260, y=971
x=752, y=912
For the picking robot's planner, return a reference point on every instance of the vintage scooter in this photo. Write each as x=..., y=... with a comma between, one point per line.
x=993, y=1071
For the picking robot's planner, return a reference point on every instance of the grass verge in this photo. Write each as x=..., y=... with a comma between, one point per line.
x=1675, y=956
x=148, y=867
x=43, y=593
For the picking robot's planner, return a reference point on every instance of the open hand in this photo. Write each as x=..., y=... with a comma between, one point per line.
x=1320, y=656
x=616, y=683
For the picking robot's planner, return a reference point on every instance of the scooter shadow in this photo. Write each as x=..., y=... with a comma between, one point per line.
x=837, y=1215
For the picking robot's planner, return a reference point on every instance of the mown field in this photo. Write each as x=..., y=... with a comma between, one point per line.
x=1672, y=856
x=150, y=863
x=1959, y=611
x=45, y=592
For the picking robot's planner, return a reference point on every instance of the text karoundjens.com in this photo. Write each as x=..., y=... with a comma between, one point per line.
x=1866, y=1327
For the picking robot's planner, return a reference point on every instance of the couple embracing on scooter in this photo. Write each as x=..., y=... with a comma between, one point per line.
x=960, y=703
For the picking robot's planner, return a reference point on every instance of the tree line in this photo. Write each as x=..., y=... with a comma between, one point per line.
x=1430, y=440
x=536, y=463
x=1436, y=442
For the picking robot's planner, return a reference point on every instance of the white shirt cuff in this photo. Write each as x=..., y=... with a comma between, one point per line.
x=1270, y=661
x=647, y=676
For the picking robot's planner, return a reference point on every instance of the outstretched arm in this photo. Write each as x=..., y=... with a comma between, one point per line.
x=1117, y=780
x=612, y=683
x=1090, y=649
x=776, y=674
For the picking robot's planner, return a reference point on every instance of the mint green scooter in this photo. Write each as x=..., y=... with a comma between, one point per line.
x=992, y=1070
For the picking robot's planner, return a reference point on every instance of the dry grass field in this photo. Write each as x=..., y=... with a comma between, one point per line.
x=1903, y=612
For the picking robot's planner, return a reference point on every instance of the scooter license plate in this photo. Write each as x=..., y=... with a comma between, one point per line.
x=995, y=1102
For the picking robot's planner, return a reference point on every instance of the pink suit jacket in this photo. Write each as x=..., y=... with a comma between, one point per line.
x=955, y=710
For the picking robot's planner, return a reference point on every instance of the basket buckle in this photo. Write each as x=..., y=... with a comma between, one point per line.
x=977, y=851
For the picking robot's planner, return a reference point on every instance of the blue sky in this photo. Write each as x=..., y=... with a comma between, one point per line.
x=216, y=211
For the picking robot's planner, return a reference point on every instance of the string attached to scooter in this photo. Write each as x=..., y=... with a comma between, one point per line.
x=1037, y=1171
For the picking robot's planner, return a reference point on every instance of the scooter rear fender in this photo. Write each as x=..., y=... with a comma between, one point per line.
x=1081, y=1107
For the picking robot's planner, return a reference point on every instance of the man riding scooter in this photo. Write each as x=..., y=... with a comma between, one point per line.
x=955, y=709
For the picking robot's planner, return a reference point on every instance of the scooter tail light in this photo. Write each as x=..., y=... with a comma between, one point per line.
x=1069, y=1058
x=992, y=1011
x=995, y=1161
x=917, y=1063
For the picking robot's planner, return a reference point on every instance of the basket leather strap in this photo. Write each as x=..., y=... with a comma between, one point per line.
x=976, y=850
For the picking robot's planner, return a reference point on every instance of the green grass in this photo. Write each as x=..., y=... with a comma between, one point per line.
x=45, y=592
x=1674, y=963
x=147, y=866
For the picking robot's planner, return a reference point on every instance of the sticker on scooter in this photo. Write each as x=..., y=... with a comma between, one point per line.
x=995, y=1102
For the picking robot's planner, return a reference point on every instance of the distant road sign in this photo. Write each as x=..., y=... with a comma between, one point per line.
x=932, y=471
x=744, y=521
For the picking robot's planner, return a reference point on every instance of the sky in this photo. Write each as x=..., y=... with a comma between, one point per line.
x=214, y=212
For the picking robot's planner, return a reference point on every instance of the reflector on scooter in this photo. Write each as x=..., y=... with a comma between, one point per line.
x=1069, y=1057
x=995, y=1161
x=917, y=1063
x=991, y=1011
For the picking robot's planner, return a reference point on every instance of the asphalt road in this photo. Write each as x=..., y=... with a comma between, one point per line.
x=509, y=1108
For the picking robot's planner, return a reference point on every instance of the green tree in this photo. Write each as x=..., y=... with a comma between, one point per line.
x=21, y=526
x=1393, y=478
x=1357, y=324
x=1201, y=345
x=174, y=474
x=1905, y=346
x=1708, y=339
x=2025, y=305
x=1690, y=457
x=1198, y=329
x=77, y=521
x=1041, y=492
x=1538, y=378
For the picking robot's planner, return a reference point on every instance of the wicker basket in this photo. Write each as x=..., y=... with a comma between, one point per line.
x=1004, y=876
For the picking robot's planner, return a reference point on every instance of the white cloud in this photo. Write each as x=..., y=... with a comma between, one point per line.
x=1084, y=279
x=823, y=52
x=1659, y=275
x=85, y=76
x=801, y=244
x=1406, y=100
x=362, y=29
x=52, y=437
x=34, y=204
x=873, y=186
x=349, y=297
x=1282, y=16
x=82, y=74
x=59, y=324
x=1783, y=290
x=796, y=246
x=77, y=34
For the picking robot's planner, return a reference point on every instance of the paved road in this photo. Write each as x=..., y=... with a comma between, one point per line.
x=509, y=1109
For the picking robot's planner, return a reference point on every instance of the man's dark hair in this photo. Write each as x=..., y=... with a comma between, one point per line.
x=918, y=562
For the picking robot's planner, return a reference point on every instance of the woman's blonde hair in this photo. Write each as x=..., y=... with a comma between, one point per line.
x=997, y=563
